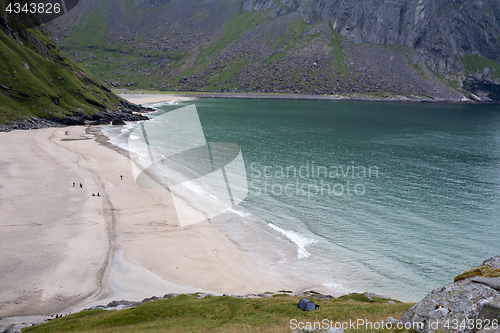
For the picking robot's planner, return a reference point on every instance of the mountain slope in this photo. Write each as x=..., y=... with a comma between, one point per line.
x=430, y=50
x=38, y=80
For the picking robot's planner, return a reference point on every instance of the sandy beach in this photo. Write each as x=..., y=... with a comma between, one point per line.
x=152, y=98
x=59, y=242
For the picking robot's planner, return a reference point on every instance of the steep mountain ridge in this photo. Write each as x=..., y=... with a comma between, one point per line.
x=421, y=49
x=38, y=81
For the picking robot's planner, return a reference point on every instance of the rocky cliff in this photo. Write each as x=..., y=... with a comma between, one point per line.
x=421, y=49
x=40, y=86
x=470, y=304
x=457, y=38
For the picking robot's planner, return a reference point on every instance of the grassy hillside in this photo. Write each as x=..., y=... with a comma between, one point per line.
x=186, y=313
x=37, y=79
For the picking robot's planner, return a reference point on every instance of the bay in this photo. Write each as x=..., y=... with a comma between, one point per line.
x=392, y=198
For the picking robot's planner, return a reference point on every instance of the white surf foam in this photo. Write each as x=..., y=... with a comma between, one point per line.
x=239, y=212
x=298, y=239
x=338, y=287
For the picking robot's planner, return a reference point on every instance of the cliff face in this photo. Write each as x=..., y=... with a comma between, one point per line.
x=441, y=50
x=38, y=81
x=445, y=33
x=440, y=29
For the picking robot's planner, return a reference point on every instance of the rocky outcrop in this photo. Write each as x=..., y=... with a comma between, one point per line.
x=465, y=306
x=78, y=118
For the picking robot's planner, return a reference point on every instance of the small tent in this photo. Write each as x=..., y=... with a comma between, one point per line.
x=307, y=305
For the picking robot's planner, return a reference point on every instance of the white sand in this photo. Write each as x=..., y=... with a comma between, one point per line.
x=54, y=237
x=58, y=242
x=152, y=98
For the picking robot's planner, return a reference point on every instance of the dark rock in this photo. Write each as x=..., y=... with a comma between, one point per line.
x=114, y=304
x=117, y=122
x=150, y=299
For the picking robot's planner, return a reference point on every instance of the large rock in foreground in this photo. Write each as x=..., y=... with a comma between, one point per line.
x=464, y=306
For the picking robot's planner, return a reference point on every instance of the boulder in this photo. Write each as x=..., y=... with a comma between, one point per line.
x=455, y=306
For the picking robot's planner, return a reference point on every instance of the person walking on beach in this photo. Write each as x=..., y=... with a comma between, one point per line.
x=121, y=177
x=73, y=184
x=81, y=185
x=98, y=194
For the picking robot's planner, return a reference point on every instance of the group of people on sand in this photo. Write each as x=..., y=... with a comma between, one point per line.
x=93, y=194
x=81, y=186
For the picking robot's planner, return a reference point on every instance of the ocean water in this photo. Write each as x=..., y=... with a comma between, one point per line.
x=392, y=198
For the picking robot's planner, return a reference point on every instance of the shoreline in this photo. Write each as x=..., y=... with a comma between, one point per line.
x=152, y=98
x=135, y=98
x=124, y=217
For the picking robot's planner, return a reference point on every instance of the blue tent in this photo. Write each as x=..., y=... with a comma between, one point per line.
x=307, y=305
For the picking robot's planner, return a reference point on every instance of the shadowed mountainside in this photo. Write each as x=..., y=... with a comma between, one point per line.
x=422, y=49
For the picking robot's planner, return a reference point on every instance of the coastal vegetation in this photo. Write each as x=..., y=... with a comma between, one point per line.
x=37, y=80
x=484, y=271
x=188, y=313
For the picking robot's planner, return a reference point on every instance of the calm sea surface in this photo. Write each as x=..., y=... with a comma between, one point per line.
x=391, y=198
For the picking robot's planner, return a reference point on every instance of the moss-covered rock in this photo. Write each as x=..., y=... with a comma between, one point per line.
x=484, y=271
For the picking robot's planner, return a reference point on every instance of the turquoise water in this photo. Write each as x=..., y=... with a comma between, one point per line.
x=391, y=198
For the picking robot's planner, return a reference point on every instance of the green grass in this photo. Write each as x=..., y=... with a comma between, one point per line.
x=186, y=313
x=475, y=63
x=338, y=51
x=92, y=31
x=47, y=85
